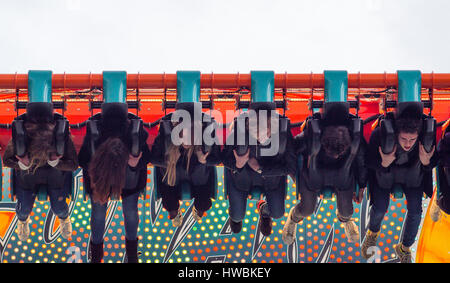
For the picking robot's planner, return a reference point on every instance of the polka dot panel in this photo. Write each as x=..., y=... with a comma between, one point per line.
x=320, y=237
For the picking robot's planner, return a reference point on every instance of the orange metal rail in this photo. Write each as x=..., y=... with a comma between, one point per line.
x=149, y=81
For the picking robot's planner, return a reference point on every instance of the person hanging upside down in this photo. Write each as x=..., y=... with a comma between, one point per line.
x=41, y=165
x=336, y=165
x=408, y=165
x=186, y=164
x=112, y=172
x=254, y=170
x=441, y=202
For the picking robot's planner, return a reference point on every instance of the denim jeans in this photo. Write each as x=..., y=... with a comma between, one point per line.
x=238, y=203
x=130, y=215
x=26, y=198
x=379, y=201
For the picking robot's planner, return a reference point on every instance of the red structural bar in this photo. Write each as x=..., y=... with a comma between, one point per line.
x=77, y=81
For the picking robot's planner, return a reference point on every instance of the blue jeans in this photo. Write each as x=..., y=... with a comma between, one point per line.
x=238, y=203
x=379, y=200
x=130, y=215
x=26, y=198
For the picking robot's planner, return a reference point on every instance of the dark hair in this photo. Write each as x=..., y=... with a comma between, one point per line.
x=408, y=125
x=41, y=144
x=107, y=170
x=335, y=140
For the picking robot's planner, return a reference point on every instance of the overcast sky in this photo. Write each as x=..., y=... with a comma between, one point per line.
x=226, y=36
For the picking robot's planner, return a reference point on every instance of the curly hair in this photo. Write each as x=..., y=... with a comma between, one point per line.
x=408, y=125
x=335, y=140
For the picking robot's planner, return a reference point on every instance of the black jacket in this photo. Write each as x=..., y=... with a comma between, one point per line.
x=138, y=173
x=198, y=173
x=53, y=177
x=324, y=162
x=444, y=166
x=406, y=166
x=274, y=169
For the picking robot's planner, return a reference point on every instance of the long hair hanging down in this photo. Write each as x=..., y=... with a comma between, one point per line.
x=107, y=170
x=172, y=156
x=41, y=144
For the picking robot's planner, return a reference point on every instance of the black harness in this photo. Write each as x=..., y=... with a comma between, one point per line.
x=326, y=178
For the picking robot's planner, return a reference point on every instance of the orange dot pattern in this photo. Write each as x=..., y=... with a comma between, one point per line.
x=320, y=237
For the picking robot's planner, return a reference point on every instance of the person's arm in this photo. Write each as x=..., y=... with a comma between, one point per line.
x=384, y=175
x=157, y=153
x=69, y=161
x=9, y=158
x=287, y=165
x=443, y=150
x=146, y=154
x=360, y=162
x=214, y=158
x=84, y=155
x=373, y=158
x=434, y=160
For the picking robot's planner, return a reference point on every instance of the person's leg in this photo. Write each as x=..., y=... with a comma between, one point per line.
x=272, y=207
x=61, y=209
x=412, y=222
x=306, y=207
x=345, y=212
x=379, y=203
x=413, y=217
x=131, y=215
x=58, y=203
x=24, y=206
x=275, y=203
x=344, y=205
x=444, y=203
x=237, y=200
x=202, y=202
x=131, y=220
x=379, y=200
x=25, y=202
x=307, y=204
x=170, y=197
x=98, y=219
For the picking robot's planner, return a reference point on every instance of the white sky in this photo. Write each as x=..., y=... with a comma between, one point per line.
x=226, y=36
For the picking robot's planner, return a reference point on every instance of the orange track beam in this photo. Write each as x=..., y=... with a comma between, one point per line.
x=154, y=81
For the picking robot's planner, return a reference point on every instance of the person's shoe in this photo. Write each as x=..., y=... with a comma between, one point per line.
x=351, y=231
x=265, y=222
x=236, y=227
x=369, y=241
x=403, y=256
x=178, y=220
x=131, y=249
x=23, y=229
x=197, y=217
x=65, y=228
x=95, y=252
x=435, y=210
x=289, y=229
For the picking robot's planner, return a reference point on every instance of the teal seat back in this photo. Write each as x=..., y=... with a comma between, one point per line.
x=327, y=192
x=186, y=191
x=256, y=192
x=397, y=191
x=42, y=193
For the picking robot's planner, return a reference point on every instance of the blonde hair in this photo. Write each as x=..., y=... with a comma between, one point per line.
x=172, y=156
